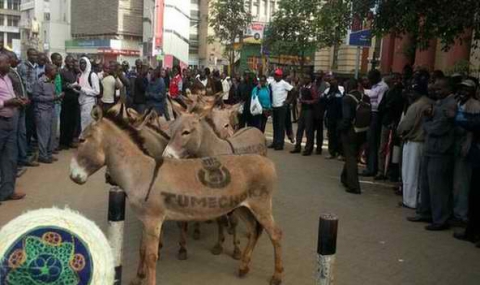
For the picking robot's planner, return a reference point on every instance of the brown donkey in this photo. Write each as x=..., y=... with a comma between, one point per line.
x=181, y=190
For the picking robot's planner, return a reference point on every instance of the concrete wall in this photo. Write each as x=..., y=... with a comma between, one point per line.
x=177, y=29
x=94, y=17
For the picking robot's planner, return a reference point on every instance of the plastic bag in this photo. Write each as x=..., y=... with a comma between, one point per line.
x=255, y=106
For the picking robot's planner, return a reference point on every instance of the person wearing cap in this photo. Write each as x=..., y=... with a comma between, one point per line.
x=280, y=89
x=437, y=165
x=467, y=105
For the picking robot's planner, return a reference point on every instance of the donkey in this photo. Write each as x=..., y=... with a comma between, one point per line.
x=180, y=190
x=150, y=128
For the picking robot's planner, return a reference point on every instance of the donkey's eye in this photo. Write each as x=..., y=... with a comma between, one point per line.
x=226, y=126
x=185, y=133
x=81, y=140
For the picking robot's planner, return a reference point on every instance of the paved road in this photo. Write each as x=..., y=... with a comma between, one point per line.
x=376, y=245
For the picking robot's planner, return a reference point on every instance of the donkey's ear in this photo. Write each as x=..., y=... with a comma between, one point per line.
x=235, y=108
x=97, y=113
x=177, y=108
x=149, y=116
x=132, y=115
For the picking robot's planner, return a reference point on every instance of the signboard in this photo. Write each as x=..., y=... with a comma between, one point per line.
x=119, y=52
x=160, y=9
x=254, y=33
x=87, y=44
x=361, y=38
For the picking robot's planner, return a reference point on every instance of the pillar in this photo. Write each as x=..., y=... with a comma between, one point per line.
x=460, y=50
x=426, y=58
x=388, y=46
x=400, y=53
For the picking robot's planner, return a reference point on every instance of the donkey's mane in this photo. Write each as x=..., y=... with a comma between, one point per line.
x=158, y=131
x=211, y=124
x=134, y=135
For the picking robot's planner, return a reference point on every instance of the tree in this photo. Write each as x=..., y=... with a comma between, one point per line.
x=229, y=19
x=300, y=26
x=424, y=20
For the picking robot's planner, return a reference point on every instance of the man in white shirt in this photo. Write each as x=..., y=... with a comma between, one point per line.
x=379, y=88
x=226, y=85
x=280, y=89
x=111, y=86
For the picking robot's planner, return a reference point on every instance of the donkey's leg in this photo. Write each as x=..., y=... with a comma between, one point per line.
x=265, y=218
x=218, y=248
x=196, y=231
x=160, y=244
x=255, y=231
x=151, y=232
x=141, y=271
x=182, y=252
x=237, y=254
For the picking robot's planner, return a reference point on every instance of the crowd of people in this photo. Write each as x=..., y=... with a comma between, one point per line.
x=417, y=129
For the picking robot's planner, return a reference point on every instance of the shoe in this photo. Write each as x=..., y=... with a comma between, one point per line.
x=292, y=140
x=55, y=151
x=330, y=157
x=54, y=158
x=351, y=191
x=32, y=163
x=457, y=223
x=21, y=171
x=45, y=160
x=318, y=152
x=272, y=146
x=461, y=236
x=419, y=219
x=307, y=153
x=367, y=174
x=341, y=158
x=63, y=147
x=17, y=196
x=296, y=150
x=278, y=148
x=436, y=228
x=380, y=177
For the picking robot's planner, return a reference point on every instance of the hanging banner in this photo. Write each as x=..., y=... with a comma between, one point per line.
x=160, y=9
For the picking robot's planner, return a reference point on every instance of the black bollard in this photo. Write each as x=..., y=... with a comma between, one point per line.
x=116, y=220
x=327, y=247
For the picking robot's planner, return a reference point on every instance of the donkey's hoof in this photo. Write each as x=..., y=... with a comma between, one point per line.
x=237, y=254
x=196, y=235
x=217, y=250
x=182, y=255
x=275, y=281
x=242, y=272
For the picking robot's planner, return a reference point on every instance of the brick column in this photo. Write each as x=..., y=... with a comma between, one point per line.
x=400, y=59
x=426, y=58
x=461, y=50
x=386, y=60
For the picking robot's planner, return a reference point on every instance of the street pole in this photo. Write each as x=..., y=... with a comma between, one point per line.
x=116, y=220
x=357, y=63
x=327, y=247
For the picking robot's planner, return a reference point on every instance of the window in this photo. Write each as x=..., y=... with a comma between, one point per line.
x=2, y=20
x=12, y=21
x=46, y=16
x=13, y=4
x=265, y=7
x=11, y=37
x=2, y=4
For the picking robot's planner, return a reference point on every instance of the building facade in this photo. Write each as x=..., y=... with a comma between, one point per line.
x=9, y=24
x=107, y=30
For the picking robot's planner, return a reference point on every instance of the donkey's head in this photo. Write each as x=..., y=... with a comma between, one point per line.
x=90, y=155
x=224, y=120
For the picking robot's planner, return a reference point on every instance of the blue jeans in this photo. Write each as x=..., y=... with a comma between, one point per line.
x=8, y=156
x=22, y=138
x=43, y=122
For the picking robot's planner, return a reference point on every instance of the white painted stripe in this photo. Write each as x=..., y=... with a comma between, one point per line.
x=325, y=269
x=115, y=238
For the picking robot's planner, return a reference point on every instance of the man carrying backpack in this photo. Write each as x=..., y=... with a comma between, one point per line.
x=356, y=110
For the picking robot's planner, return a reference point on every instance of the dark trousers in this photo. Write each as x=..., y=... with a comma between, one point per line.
x=294, y=111
x=306, y=125
x=22, y=138
x=140, y=107
x=351, y=147
x=334, y=143
x=259, y=122
x=31, y=129
x=69, y=121
x=472, y=231
x=383, y=150
x=279, y=117
x=318, y=125
x=373, y=141
x=288, y=123
x=43, y=122
x=8, y=156
x=436, y=188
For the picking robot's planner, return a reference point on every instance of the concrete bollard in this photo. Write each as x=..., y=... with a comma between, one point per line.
x=327, y=247
x=116, y=220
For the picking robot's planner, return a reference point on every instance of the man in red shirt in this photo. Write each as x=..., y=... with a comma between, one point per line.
x=176, y=84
